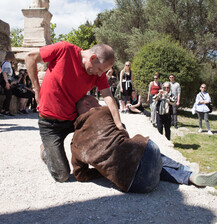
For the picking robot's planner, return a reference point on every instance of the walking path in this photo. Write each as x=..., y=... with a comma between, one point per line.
x=29, y=195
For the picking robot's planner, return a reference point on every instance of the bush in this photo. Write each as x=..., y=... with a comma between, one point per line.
x=167, y=57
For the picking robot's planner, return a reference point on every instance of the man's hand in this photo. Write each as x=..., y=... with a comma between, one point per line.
x=8, y=86
x=125, y=133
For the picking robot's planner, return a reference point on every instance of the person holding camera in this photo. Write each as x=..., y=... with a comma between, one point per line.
x=165, y=99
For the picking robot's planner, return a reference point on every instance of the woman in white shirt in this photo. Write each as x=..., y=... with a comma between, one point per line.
x=202, y=99
x=7, y=82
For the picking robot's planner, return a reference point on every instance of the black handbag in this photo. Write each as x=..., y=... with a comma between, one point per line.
x=209, y=105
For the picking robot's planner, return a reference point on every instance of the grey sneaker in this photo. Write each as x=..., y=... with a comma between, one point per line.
x=203, y=180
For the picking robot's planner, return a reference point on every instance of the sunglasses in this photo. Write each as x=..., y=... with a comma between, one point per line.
x=203, y=87
x=127, y=65
x=155, y=78
x=171, y=77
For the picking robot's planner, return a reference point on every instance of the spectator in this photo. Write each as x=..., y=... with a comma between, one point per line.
x=112, y=80
x=176, y=91
x=202, y=100
x=71, y=73
x=165, y=100
x=135, y=105
x=24, y=91
x=154, y=88
x=7, y=82
x=126, y=77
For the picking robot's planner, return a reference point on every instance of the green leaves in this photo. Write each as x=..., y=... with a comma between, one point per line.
x=166, y=57
x=16, y=36
x=82, y=37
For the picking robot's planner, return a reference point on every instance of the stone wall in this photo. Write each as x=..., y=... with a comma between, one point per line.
x=5, y=43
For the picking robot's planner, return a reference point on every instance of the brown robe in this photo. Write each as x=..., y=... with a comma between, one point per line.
x=98, y=142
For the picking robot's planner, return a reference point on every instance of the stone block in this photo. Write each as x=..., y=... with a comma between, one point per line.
x=14, y=105
x=5, y=43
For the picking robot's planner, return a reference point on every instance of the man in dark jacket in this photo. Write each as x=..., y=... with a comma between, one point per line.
x=133, y=164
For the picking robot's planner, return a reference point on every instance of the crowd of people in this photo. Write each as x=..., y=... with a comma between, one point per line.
x=164, y=100
x=16, y=84
x=100, y=139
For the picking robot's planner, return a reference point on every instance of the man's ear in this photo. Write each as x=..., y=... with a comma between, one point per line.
x=87, y=105
x=93, y=57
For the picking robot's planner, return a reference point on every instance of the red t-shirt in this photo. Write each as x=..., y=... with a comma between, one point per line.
x=65, y=81
x=155, y=89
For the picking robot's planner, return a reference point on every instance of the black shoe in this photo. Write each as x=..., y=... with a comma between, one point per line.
x=23, y=112
x=7, y=113
x=176, y=127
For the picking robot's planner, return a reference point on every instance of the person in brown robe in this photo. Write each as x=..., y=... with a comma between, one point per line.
x=132, y=164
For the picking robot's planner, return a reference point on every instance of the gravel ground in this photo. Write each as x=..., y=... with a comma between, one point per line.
x=28, y=194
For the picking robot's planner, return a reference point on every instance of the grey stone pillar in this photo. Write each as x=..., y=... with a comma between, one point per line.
x=36, y=27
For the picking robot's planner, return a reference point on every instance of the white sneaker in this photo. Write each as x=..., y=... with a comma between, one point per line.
x=200, y=130
x=209, y=133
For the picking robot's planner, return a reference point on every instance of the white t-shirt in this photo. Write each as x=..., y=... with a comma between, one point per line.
x=6, y=67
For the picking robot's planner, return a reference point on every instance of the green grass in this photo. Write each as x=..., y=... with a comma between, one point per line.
x=197, y=147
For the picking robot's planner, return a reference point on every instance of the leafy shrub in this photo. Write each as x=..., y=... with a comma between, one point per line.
x=167, y=57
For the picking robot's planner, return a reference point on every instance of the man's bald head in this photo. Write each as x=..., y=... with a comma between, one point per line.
x=86, y=103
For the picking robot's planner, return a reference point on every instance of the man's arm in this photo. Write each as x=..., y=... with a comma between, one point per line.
x=106, y=93
x=7, y=85
x=81, y=170
x=31, y=60
x=179, y=95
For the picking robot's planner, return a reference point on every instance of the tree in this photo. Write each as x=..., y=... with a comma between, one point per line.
x=82, y=37
x=166, y=57
x=191, y=22
x=16, y=36
x=52, y=33
x=117, y=27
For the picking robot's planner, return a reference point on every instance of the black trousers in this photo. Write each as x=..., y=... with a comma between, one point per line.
x=53, y=134
x=8, y=94
x=164, y=121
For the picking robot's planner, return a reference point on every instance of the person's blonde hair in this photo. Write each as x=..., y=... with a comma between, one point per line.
x=125, y=65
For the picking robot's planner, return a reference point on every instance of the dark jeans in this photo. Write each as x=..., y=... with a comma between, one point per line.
x=174, y=115
x=148, y=174
x=53, y=133
x=164, y=121
x=154, y=167
x=8, y=94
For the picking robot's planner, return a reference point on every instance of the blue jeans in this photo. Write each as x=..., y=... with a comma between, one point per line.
x=174, y=172
x=154, y=167
x=148, y=174
x=53, y=134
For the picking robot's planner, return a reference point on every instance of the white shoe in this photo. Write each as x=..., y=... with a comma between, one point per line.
x=209, y=133
x=200, y=130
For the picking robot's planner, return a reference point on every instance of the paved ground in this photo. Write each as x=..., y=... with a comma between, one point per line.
x=29, y=195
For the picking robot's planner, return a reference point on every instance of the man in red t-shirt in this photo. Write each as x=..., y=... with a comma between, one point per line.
x=71, y=73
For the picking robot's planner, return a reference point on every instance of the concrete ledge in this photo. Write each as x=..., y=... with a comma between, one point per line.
x=14, y=105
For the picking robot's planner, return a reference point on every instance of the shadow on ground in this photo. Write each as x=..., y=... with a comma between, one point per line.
x=164, y=205
x=187, y=146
